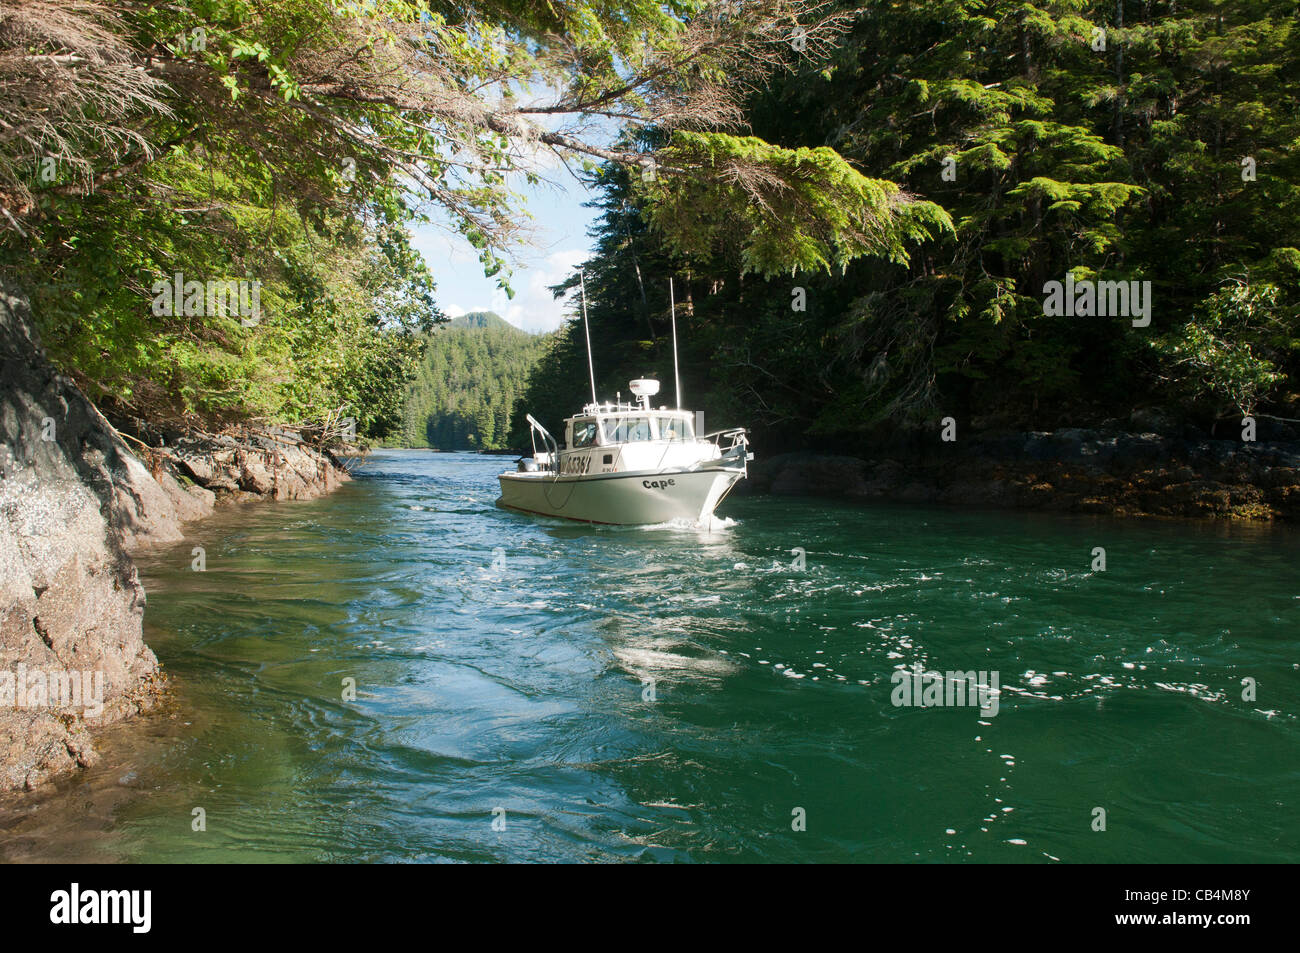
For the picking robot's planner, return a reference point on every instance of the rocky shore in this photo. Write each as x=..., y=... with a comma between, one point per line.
x=77, y=495
x=1079, y=471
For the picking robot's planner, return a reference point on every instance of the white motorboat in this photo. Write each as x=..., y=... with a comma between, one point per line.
x=628, y=464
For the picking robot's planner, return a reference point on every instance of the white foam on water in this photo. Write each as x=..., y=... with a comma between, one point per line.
x=712, y=524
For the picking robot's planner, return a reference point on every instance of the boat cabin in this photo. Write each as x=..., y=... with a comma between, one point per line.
x=613, y=438
x=627, y=424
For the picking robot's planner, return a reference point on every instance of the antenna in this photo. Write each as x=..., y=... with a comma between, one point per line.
x=677, y=378
x=582, y=282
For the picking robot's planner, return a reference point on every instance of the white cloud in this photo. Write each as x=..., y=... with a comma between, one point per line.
x=533, y=307
x=559, y=242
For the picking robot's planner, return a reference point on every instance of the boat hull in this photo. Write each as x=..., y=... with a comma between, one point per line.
x=620, y=498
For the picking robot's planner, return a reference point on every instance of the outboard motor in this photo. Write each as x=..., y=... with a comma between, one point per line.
x=527, y=465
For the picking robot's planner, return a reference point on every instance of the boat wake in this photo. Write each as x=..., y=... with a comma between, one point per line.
x=712, y=524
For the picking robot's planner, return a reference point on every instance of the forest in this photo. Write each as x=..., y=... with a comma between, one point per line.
x=873, y=212
x=1070, y=144
x=209, y=204
x=466, y=385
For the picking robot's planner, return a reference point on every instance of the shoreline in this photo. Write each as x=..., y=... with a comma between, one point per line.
x=76, y=502
x=39, y=747
x=1072, y=470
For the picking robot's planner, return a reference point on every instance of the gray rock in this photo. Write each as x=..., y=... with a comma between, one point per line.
x=1156, y=421
x=74, y=500
x=70, y=599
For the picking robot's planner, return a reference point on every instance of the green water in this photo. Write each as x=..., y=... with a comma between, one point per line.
x=522, y=688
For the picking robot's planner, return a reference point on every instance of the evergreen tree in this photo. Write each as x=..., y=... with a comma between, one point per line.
x=460, y=398
x=1113, y=141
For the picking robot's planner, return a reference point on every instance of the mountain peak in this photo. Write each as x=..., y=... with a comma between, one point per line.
x=482, y=319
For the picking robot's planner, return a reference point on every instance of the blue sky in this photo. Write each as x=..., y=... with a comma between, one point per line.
x=559, y=243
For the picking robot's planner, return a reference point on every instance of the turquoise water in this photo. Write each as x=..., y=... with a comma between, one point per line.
x=503, y=668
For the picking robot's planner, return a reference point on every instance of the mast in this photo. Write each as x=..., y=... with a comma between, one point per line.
x=591, y=370
x=677, y=378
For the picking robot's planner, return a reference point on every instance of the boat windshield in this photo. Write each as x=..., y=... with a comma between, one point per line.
x=627, y=429
x=584, y=433
x=676, y=428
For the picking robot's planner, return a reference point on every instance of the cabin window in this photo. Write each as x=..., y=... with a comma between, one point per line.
x=627, y=429
x=676, y=428
x=584, y=433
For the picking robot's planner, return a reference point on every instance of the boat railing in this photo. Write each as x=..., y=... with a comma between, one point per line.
x=610, y=407
x=736, y=435
x=731, y=442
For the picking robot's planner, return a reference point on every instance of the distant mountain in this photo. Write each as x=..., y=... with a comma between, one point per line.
x=474, y=369
x=483, y=320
